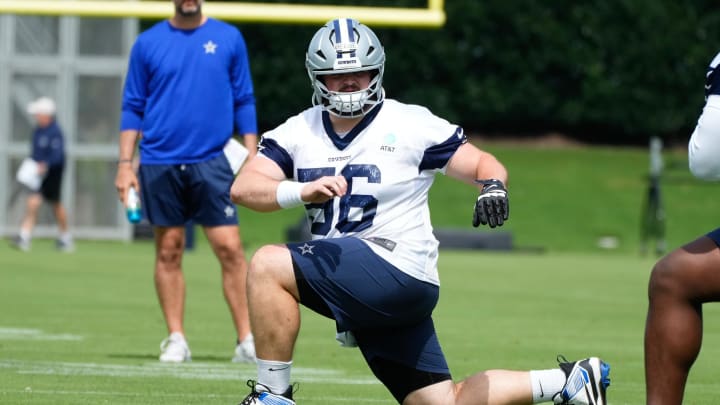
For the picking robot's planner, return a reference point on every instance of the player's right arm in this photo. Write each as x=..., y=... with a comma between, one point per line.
x=262, y=186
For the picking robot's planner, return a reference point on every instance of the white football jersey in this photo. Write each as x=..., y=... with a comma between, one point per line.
x=389, y=160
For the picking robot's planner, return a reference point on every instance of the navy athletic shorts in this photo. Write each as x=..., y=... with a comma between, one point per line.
x=715, y=236
x=51, y=185
x=172, y=195
x=388, y=311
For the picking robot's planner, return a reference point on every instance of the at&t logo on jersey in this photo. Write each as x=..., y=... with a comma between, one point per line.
x=388, y=140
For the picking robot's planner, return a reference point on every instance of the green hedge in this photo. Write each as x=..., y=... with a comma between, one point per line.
x=613, y=71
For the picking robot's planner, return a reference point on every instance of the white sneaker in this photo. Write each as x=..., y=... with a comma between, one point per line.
x=245, y=351
x=20, y=243
x=65, y=245
x=587, y=382
x=174, y=349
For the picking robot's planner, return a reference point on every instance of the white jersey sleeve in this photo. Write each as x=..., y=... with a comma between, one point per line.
x=390, y=160
x=704, y=145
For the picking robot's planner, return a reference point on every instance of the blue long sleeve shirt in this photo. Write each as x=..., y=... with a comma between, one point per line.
x=48, y=145
x=188, y=91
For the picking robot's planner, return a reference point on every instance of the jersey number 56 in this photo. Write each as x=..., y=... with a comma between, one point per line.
x=367, y=203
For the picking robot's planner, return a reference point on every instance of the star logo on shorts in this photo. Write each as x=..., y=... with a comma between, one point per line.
x=229, y=211
x=210, y=47
x=306, y=249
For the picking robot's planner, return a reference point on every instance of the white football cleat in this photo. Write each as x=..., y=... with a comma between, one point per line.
x=587, y=381
x=174, y=349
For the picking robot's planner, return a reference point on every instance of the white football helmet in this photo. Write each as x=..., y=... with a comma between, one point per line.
x=345, y=46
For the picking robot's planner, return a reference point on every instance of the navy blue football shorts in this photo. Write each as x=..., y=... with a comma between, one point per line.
x=51, y=185
x=172, y=195
x=388, y=311
x=715, y=236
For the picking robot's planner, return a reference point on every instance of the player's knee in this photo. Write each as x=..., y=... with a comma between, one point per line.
x=412, y=386
x=666, y=277
x=267, y=262
x=169, y=258
x=229, y=254
x=169, y=253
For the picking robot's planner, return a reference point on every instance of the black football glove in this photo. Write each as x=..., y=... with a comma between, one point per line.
x=492, y=207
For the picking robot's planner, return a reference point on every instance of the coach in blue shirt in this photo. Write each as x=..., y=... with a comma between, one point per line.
x=188, y=90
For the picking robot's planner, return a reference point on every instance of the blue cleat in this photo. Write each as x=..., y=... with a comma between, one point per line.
x=261, y=395
x=587, y=381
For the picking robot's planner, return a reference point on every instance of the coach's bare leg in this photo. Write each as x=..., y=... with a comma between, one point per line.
x=169, y=280
x=273, y=298
x=227, y=246
x=60, y=217
x=32, y=205
x=485, y=388
x=679, y=284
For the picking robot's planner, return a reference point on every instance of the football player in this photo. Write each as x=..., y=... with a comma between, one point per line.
x=685, y=279
x=362, y=165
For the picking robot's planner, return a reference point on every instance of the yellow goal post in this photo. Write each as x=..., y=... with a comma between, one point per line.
x=432, y=16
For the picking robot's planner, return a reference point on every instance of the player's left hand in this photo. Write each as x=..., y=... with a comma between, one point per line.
x=492, y=207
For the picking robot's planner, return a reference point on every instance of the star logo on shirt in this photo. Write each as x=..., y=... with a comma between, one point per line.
x=306, y=249
x=210, y=47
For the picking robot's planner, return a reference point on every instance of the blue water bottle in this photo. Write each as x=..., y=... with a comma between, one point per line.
x=133, y=207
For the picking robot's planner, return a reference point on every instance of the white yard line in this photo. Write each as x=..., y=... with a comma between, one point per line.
x=193, y=370
x=34, y=334
x=183, y=395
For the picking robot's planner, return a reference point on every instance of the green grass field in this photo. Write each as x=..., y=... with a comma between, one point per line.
x=84, y=328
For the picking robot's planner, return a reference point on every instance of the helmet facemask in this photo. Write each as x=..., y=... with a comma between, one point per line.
x=349, y=104
x=345, y=46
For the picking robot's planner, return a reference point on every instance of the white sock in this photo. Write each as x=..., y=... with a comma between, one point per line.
x=275, y=375
x=25, y=234
x=546, y=383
